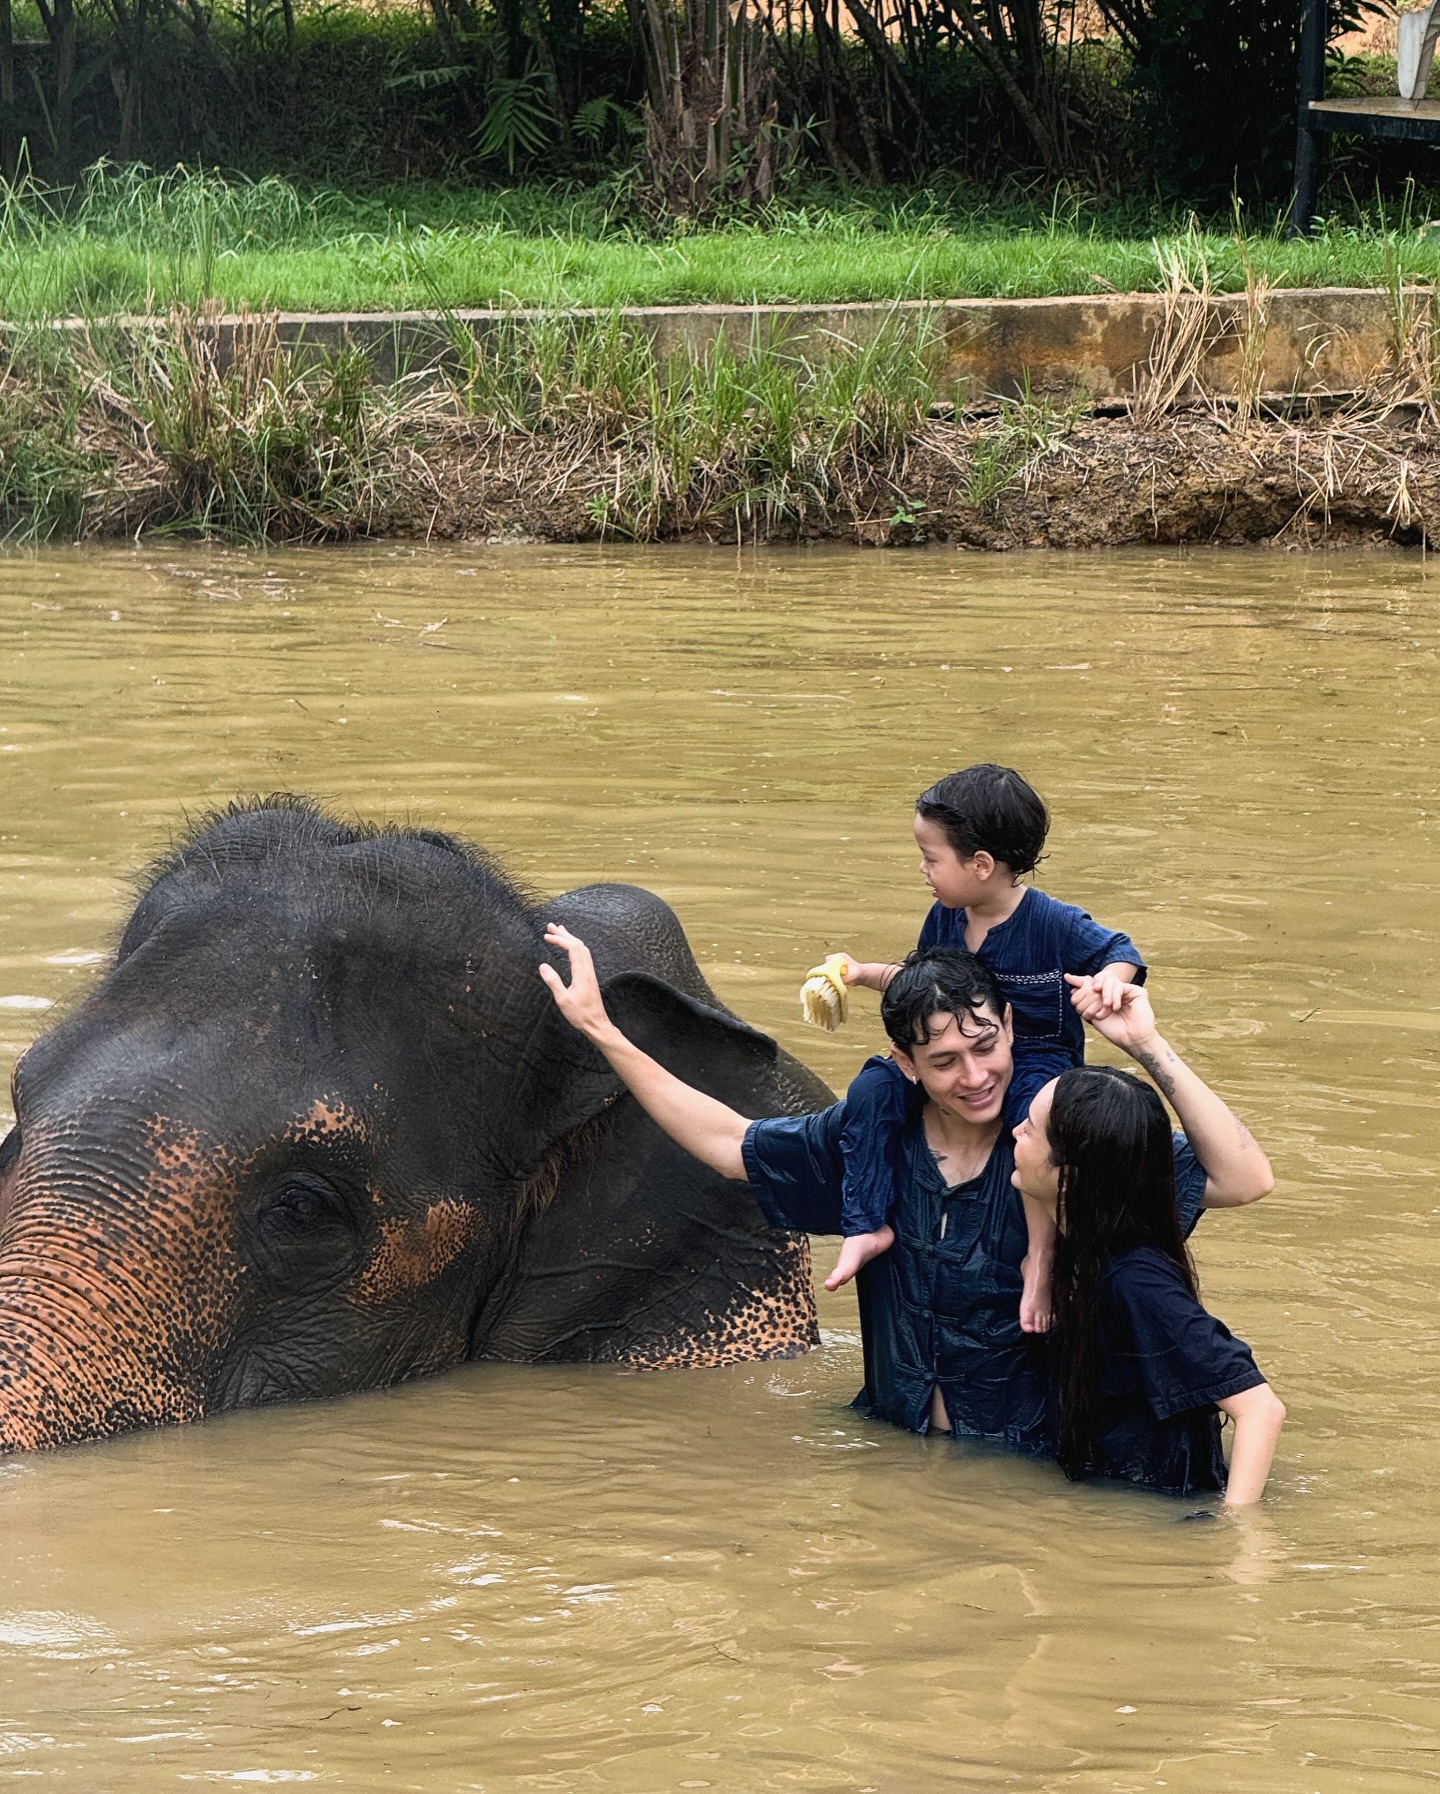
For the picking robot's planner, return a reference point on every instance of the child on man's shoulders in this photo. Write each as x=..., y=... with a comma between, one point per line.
x=979, y=832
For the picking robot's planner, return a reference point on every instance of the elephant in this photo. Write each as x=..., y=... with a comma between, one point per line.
x=319, y=1128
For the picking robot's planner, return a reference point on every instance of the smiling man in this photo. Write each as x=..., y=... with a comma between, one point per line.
x=941, y=1310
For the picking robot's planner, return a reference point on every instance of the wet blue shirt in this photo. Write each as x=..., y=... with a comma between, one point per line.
x=1030, y=952
x=1164, y=1363
x=942, y=1307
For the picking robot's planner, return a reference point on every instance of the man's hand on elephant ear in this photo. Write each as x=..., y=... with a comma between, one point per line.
x=579, y=1001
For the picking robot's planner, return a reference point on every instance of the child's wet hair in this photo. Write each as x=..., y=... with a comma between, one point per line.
x=940, y=981
x=989, y=809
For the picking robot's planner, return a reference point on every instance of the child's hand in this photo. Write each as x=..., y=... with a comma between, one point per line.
x=857, y=1250
x=870, y=974
x=1111, y=991
x=1102, y=992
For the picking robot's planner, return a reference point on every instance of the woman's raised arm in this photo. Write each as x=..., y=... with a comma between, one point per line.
x=703, y=1126
x=1237, y=1171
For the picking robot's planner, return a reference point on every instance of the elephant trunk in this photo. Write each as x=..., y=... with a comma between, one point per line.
x=100, y=1332
x=67, y=1378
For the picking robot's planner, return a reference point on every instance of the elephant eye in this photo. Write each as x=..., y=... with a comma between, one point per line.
x=303, y=1205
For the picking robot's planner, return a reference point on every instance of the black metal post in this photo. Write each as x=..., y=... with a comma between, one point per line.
x=1307, y=142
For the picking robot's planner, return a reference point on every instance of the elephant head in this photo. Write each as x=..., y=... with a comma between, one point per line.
x=319, y=1128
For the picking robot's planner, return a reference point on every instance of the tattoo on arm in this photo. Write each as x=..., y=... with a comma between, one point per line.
x=1155, y=1066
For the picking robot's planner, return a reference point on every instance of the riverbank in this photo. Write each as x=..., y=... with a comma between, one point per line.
x=978, y=483
x=568, y=428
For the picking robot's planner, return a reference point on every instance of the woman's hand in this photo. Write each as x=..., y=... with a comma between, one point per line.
x=1237, y=1171
x=1119, y=1012
x=579, y=1001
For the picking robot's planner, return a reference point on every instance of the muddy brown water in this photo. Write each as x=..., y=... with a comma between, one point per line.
x=580, y=1580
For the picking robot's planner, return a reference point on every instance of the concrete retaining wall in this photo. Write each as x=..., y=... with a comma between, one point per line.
x=1323, y=341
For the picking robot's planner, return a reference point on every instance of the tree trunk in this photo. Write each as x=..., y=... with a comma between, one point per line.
x=883, y=51
x=292, y=66
x=9, y=137
x=63, y=42
x=549, y=72
x=987, y=43
x=830, y=53
x=711, y=115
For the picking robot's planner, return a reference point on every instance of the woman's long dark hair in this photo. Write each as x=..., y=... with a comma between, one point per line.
x=1110, y=1137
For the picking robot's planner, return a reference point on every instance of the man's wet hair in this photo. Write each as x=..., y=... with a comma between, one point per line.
x=989, y=809
x=940, y=981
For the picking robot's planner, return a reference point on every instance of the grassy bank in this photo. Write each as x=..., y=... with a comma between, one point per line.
x=126, y=242
x=571, y=429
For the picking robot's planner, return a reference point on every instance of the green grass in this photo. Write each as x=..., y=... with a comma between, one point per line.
x=126, y=241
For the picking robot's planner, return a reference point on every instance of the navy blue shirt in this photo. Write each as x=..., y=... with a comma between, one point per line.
x=1164, y=1363
x=942, y=1307
x=1030, y=952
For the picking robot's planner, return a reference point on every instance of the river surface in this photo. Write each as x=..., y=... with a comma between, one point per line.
x=575, y=1581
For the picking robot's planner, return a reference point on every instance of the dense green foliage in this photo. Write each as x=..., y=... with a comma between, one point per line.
x=1213, y=83
x=1186, y=99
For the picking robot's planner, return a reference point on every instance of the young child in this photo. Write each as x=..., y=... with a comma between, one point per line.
x=979, y=831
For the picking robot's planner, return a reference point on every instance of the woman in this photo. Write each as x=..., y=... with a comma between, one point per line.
x=1142, y=1372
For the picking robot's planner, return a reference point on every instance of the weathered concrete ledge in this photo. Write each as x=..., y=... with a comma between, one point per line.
x=1315, y=342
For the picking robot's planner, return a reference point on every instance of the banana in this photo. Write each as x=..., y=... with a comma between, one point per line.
x=825, y=996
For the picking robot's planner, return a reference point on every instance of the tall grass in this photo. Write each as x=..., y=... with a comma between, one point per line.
x=580, y=426
x=761, y=432
x=186, y=426
x=107, y=430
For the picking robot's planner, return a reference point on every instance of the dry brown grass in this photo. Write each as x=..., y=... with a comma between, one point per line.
x=105, y=429
x=1189, y=328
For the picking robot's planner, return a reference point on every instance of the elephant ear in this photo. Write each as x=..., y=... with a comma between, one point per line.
x=704, y=1045
x=643, y=1255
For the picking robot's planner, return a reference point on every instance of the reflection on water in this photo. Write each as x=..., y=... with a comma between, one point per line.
x=522, y=1579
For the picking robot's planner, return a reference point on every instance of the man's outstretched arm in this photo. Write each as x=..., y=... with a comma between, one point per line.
x=703, y=1126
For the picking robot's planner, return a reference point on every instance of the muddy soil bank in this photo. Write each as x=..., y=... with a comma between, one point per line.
x=1196, y=477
